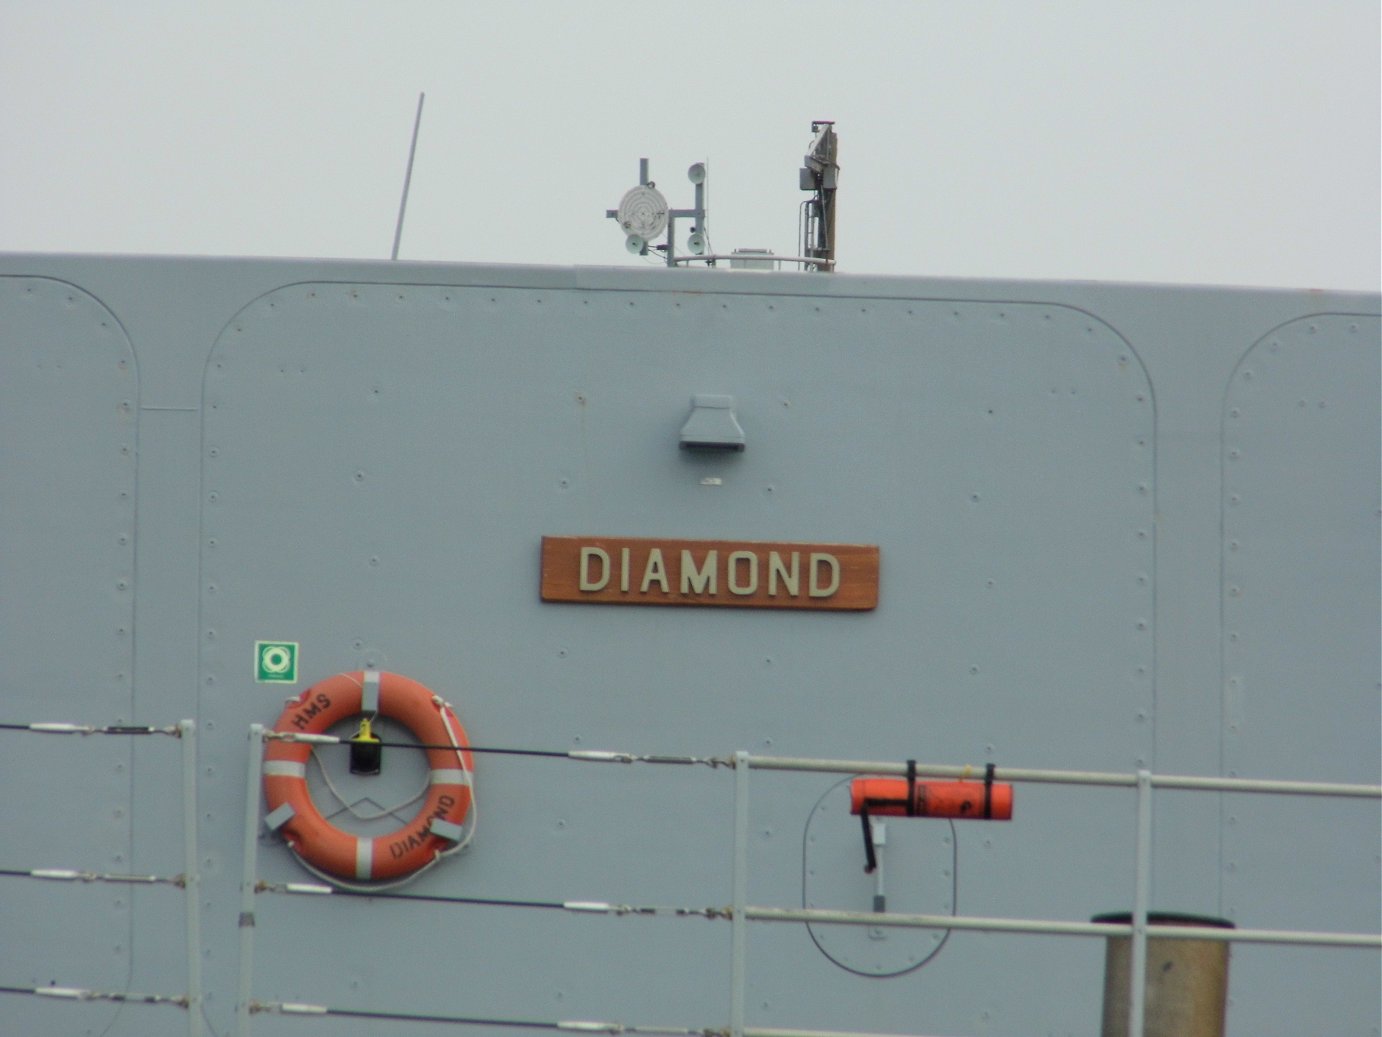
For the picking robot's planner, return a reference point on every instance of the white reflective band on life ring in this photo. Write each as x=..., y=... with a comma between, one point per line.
x=450, y=777
x=369, y=692
x=285, y=769
x=364, y=858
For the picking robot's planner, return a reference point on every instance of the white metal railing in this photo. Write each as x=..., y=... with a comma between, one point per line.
x=740, y=912
x=1139, y=929
x=190, y=881
x=1058, y=777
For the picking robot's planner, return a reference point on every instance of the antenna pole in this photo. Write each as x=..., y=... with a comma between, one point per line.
x=408, y=177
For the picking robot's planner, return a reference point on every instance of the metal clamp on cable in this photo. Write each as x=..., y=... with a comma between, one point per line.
x=366, y=750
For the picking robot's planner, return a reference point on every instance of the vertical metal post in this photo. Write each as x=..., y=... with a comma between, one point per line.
x=739, y=932
x=407, y=177
x=1141, y=893
x=702, y=216
x=249, y=870
x=187, y=732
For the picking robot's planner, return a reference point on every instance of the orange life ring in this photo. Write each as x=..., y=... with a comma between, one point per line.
x=434, y=830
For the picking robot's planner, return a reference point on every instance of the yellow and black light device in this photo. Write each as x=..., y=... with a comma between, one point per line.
x=366, y=751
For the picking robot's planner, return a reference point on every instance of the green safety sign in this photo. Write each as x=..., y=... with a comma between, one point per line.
x=275, y=662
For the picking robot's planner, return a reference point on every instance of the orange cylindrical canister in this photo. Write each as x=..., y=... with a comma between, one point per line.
x=969, y=800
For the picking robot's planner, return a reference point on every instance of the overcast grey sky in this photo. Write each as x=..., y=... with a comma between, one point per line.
x=1218, y=142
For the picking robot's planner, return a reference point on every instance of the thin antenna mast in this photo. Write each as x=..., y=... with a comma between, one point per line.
x=820, y=175
x=408, y=177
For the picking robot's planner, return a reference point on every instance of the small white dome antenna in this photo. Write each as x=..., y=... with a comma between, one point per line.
x=643, y=214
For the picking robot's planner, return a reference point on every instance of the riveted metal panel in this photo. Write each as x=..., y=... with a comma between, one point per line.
x=381, y=462
x=68, y=399
x=1301, y=650
x=361, y=459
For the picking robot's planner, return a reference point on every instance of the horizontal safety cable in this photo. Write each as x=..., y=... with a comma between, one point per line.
x=566, y=1025
x=965, y=772
x=563, y=1026
x=81, y=994
x=92, y=729
x=70, y=875
x=579, y=906
x=584, y=755
x=1365, y=941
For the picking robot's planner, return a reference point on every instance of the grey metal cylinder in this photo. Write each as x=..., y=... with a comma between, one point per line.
x=1187, y=980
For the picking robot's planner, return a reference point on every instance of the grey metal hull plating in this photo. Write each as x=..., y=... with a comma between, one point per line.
x=1121, y=527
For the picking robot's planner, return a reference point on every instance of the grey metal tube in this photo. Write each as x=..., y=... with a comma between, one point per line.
x=1111, y=779
x=249, y=868
x=739, y=921
x=812, y=260
x=1136, y=985
x=187, y=730
x=1039, y=927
